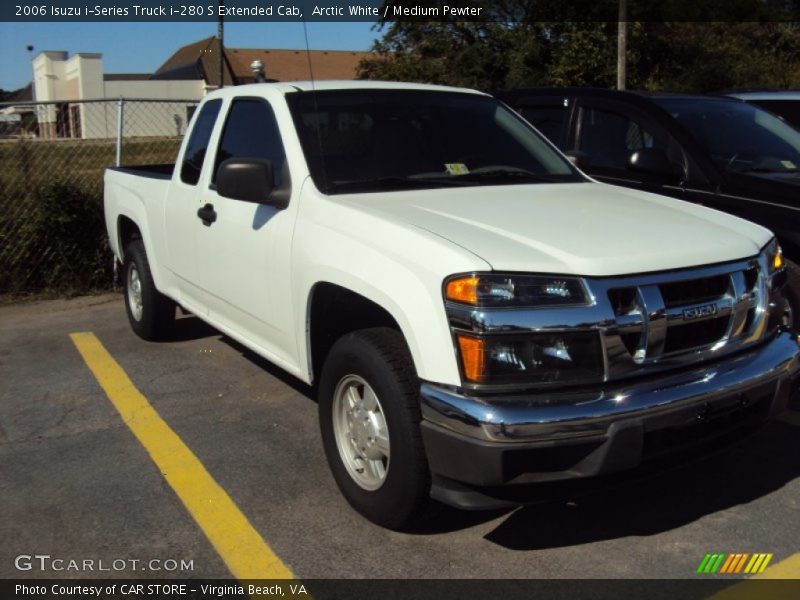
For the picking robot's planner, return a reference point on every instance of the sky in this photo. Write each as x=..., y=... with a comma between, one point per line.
x=143, y=47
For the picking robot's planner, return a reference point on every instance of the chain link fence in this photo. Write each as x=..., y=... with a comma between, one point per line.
x=52, y=159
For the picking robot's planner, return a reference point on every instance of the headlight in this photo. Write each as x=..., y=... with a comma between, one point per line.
x=774, y=256
x=493, y=290
x=574, y=357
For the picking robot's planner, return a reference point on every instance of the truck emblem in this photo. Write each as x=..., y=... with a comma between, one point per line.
x=696, y=312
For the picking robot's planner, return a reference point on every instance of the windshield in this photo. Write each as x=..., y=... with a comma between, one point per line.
x=371, y=140
x=739, y=137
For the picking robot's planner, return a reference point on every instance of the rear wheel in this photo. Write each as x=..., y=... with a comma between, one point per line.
x=369, y=420
x=150, y=313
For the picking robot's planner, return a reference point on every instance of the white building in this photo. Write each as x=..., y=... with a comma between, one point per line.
x=62, y=80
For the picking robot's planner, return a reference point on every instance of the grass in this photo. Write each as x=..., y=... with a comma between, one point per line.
x=26, y=162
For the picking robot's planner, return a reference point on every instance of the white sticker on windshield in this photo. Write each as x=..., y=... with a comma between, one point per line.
x=787, y=164
x=456, y=168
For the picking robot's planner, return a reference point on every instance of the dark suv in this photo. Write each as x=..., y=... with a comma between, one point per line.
x=716, y=151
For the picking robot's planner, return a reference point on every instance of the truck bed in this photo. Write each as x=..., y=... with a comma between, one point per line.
x=157, y=171
x=137, y=193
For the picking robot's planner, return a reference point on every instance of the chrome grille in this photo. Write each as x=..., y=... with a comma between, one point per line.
x=678, y=317
x=688, y=336
x=694, y=291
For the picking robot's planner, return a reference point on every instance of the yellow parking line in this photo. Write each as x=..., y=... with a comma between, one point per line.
x=750, y=589
x=244, y=551
x=788, y=568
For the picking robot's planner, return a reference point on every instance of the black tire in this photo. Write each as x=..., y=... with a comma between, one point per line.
x=381, y=358
x=792, y=293
x=157, y=315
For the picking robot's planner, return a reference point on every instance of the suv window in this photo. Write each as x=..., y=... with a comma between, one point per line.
x=609, y=138
x=738, y=136
x=788, y=109
x=251, y=131
x=550, y=119
x=198, y=142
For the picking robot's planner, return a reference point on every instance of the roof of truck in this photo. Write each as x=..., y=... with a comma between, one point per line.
x=308, y=86
x=327, y=85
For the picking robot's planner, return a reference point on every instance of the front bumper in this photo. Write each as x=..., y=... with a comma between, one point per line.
x=480, y=442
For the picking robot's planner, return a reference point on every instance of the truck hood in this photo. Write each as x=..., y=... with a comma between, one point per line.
x=589, y=229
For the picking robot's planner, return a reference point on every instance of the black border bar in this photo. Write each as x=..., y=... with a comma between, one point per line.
x=501, y=11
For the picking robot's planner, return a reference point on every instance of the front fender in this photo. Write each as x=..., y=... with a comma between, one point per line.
x=396, y=266
x=410, y=305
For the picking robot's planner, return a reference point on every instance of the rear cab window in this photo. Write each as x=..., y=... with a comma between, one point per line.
x=197, y=147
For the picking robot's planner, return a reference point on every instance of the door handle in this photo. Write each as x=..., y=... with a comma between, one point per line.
x=207, y=214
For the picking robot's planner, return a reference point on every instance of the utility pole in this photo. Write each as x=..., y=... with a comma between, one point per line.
x=622, y=44
x=220, y=32
x=29, y=47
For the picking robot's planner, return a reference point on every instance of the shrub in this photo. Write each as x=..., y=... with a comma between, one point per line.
x=58, y=242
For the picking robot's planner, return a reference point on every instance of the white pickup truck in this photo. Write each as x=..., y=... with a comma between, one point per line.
x=476, y=314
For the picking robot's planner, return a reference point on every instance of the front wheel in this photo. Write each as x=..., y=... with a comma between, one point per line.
x=369, y=420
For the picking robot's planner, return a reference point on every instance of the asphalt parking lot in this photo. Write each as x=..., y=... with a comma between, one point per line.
x=76, y=483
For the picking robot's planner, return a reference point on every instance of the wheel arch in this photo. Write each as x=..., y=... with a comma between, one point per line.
x=127, y=231
x=334, y=310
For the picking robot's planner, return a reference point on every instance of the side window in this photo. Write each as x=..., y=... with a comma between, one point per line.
x=251, y=131
x=610, y=138
x=550, y=119
x=198, y=142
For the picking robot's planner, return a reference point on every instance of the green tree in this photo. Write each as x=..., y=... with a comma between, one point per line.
x=7, y=94
x=483, y=55
x=707, y=57
x=672, y=56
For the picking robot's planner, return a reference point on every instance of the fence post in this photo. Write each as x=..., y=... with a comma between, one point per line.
x=120, y=114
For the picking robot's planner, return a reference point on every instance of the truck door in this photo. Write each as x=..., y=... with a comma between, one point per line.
x=243, y=255
x=182, y=202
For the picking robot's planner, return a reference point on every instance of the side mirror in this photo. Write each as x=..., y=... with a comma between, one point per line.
x=653, y=161
x=247, y=179
x=578, y=158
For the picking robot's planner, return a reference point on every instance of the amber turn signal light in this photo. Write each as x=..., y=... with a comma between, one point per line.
x=463, y=289
x=777, y=260
x=472, y=358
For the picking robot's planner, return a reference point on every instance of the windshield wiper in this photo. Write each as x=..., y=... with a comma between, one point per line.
x=422, y=182
x=511, y=175
x=391, y=183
